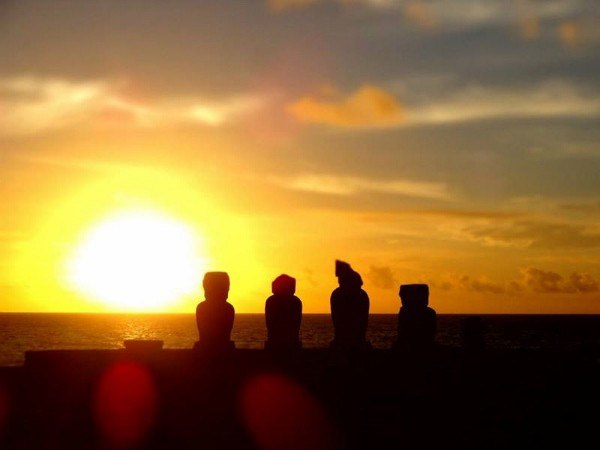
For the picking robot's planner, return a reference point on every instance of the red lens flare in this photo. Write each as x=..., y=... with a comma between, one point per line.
x=125, y=403
x=278, y=413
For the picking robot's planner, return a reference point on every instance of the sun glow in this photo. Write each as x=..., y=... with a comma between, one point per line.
x=138, y=260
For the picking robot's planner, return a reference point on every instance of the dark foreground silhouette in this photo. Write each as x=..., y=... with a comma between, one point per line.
x=189, y=399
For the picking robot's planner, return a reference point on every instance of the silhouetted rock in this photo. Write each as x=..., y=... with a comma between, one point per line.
x=417, y=322
x=214, y=316
x=349, y=309
x=283, y=314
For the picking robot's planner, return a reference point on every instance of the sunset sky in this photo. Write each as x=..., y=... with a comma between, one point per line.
x=451, y=142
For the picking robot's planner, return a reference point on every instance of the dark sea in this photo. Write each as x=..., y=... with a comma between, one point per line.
x=22, y=332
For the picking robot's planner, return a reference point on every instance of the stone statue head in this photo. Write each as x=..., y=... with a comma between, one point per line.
x=347, y=277
x=216, y=286
x=283, y=285
x=414, y=295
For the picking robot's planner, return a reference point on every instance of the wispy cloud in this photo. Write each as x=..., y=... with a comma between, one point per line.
x=453, y=12
x=486, y=12
x=439, y=214
x=418, y=12
x=30, y=104
x=345, y=185
x=504, y=229
x=368, y=106
x=552, y=98
x=535, y=234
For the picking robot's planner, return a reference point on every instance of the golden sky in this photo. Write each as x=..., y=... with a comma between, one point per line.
x=441, y=141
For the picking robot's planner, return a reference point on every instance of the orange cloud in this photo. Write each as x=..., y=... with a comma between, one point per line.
x=366, y=107
x=581, y=32
x=420, y=14
x=569, y=33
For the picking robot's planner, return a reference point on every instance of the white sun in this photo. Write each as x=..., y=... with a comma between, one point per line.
x=137, y=260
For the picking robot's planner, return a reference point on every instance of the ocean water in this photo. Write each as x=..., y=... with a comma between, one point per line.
x=22, y=332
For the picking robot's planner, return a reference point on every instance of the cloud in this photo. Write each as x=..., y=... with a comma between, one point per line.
x=573, y=33
x=536, y=234
x=583, y=282
x=552, y=98
x=421, y=14
x=462, y=213
x=30, y=104
x=218, y=113
x=553, y=283
x=532, y=279
x=568, y=33
x=368, y=106
x=382, y=277
x=437, y=215
x=486, y=286
x=487, y=12
x=344, y=185
x=455, y=13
